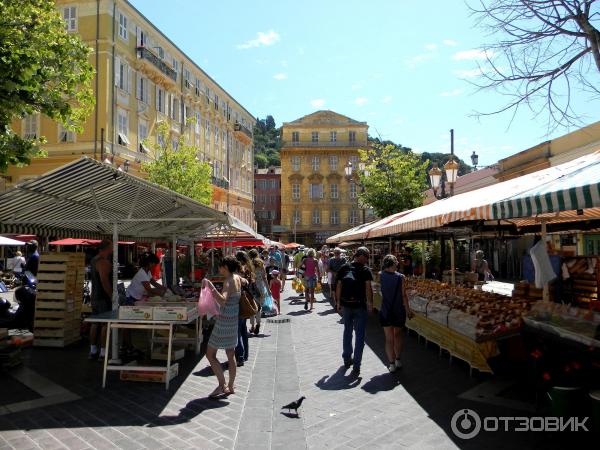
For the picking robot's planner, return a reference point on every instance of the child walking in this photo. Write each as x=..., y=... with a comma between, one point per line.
x=275, y=286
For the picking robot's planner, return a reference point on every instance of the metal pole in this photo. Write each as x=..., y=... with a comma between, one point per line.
x=115, y=292
x=452, y=156
x=193, y=261
x=174, y=259
x=546, y=291
x=423, y=275
x=452, y=262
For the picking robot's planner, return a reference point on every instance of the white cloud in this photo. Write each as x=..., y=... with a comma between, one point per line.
x=280, y=76
x=418, y=59
x=431, y=46
x=262, y=39
x=452, y=93
x=471, y=55
x=356, y=86
x=317, y=103
x=450, y=42
x=468, y=73
x=361, y=101
x=386, y=99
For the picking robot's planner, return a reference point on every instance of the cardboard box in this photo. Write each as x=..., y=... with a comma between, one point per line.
x=175, y=313
x=136, y=312
x=152, y=376
x=160, y=354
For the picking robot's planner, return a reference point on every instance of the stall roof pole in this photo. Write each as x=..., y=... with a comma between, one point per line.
x=423, y=275
x=174, y=258
x=452, y=262
x=193, y=261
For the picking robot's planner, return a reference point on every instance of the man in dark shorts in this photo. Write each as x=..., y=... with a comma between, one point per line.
x=101, y=299
x=354, y=298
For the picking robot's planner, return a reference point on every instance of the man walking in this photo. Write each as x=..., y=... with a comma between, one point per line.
x=354, y=298
x=102, y=287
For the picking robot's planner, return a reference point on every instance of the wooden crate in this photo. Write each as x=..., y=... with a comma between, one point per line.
x=59, y=299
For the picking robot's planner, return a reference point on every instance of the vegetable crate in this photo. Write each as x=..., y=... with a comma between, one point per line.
x=58, y=304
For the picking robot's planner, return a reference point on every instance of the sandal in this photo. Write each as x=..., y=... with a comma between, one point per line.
x=230, y=390
x=220, y=391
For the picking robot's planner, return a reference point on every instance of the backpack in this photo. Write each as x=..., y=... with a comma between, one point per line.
x=350, y=287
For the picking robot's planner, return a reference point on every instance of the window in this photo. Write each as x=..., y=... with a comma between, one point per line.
x=70, y=18
x=333, y=189
x=315, y=191
x=141, y=37
x=315, y=136
x=354, y=160
x=296, y=217
x=333, y=136
x=333, y=163
x=216, y=135
x=316, y=163
x=161, y=140
x=65, y=135
x=122, y=75
x=334, y=217
x=30, y=127
x=198, y=122
x=175, y=109
x=142, y=135
x=353, y=217
x=198, y=86
x=186, y=78
x=216, y=102
x=353, y=190
x=175, y=143
x=316, y=217
x=295, y=136
x=352, y=136
x=123, y=26
x=296, y=191
x=161, y=100
x=122, y=127
x=175, y=65
x=143, y=89
x=296, y=163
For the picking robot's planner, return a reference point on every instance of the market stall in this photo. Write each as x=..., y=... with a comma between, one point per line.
x=90, y=200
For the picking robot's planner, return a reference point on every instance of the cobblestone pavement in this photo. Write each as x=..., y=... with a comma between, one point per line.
x=287, y=360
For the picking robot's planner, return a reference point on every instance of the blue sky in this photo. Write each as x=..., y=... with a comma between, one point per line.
x=392, y=63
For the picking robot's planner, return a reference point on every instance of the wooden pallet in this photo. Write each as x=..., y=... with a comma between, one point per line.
x=58, y=304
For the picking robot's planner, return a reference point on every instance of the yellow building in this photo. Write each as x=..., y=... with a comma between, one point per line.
x=318, y=200
x=143, y=78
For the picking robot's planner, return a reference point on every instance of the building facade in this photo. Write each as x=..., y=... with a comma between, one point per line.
x=143, y=78
x=267, y=201
x=318, y=200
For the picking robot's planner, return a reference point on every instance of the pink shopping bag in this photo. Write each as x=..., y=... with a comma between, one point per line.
x=207, y=304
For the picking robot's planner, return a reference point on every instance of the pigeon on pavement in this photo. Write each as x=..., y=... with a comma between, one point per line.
x=294, y=405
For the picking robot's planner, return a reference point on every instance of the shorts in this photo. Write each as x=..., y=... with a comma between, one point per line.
x=101, y=306
x=397, y=319
x=310, y=282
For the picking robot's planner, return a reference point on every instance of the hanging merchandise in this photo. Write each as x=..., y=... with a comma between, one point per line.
x=544, y=273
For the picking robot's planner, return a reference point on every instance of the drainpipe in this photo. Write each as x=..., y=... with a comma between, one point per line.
x=113, y=101
x=97, y=79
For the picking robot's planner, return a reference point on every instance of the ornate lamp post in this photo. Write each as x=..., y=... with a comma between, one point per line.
x=474, y=160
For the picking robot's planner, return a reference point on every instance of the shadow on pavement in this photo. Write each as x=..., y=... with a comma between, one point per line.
x=188, y=412
x=298, y=313
x=379, y=383
x=338, y=381
x=290, y=415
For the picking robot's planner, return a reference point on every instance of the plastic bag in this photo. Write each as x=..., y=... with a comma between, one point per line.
x=269, y=305
x=207, y=303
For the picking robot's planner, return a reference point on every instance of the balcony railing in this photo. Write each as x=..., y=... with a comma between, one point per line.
x=243, y=129
x=220, y=182
x=145, y=53
x=324, y=144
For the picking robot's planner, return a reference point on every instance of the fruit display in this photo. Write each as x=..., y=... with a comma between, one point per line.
x=476, y=314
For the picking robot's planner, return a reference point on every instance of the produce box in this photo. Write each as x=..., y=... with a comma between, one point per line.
x=438, y=312
x=161, y=354
x=136, y=312
x=152, y=376
x=463, y=323
x=175, y=312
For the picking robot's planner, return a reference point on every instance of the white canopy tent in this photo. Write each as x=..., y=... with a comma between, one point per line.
x=8, y=242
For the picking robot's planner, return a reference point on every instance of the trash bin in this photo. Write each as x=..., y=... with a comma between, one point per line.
x=595, y=400
x=567, y=401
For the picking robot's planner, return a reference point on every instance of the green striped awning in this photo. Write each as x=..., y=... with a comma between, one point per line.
x=571, y=186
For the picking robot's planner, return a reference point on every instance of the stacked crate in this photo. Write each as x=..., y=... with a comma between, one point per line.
x=58, y=304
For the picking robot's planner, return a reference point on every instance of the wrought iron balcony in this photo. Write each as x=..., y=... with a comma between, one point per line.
x=146, y=54
x=242, y=131
x=324, y=144
x=220, y=182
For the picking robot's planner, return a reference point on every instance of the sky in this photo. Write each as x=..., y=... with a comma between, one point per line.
x=403, y=66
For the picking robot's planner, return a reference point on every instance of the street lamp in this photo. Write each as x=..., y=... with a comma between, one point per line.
x=475, y=160
x=450, y=169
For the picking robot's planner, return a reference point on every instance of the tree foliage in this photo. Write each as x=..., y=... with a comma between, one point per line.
x=178, y=168
x=267, y=143
x=544, y=51
x=43, y=70
x=393, y=180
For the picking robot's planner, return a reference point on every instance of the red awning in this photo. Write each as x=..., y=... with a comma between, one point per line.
x=237, y=243
x=72, y=241
x=292, y=245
